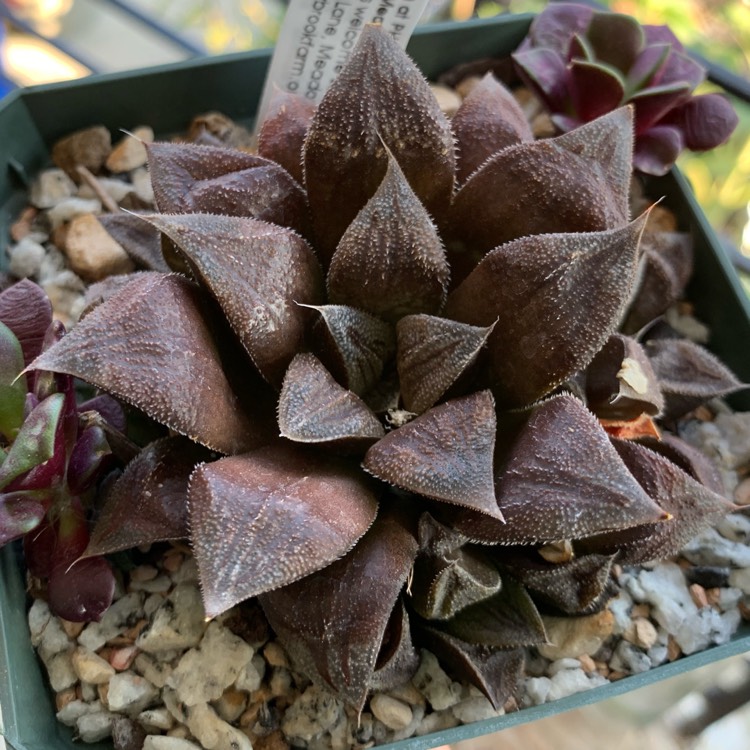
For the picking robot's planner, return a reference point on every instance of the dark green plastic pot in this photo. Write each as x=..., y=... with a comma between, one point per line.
x=166, y=98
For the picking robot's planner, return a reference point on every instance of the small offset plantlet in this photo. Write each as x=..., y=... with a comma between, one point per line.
x=410, y=365
x=52, y=452
x=583, y=63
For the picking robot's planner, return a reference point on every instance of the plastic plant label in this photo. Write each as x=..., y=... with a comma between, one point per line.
x=318, y=36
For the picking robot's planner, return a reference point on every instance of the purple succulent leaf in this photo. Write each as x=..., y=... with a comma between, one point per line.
x=488, y=120
x=691, y=507
x=265, y=519
x=390, y=261
x=680, y=68
x=314, y=408
x=705, y=121
x=508, y=619
x=258, y=273
x=90, y=457
x=398, y=660
x=148, y=503
x=134, y=346
x=207, y=179
x=282, y=134
x=445, y=585
x=557, y=23
x=667, y=267
x=653, y=103
x=37, y=443
x=110, y=410
x=580, y=586
x=13, y=385
x=620, y=382
x=595, y=89
x=616, y=39
x=20, y=513
x=445, y=454
x=83, y=591
x=353, y=345
x=545, y=72
x=657, y=149
x=141, y=241
x=580, y=49
x=662, y=35
x=101, y=291
x=645, y=67
x=556, y=299
x=432, y=354
x=688, y=375
x=27, y=311
x=379, y=101
x=494, y=671
x=585, y=186
x=334, y=620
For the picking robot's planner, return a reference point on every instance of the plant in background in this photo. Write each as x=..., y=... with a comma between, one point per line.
x=412, y=368
x=583, y=63
x=52, y=452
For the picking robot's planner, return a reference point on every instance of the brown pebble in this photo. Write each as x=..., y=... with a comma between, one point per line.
x=661, y=219
x=588, y=665
x=93, y=253
x=222, y=127
x=72, y=629
x=511, y=705
x=742, y=492
x=542, y=126
x=448, y=100
x=467, y=85
x=275, y=655
x=559, y=552
x=698, y=595
x=273, y=741
x=144, y=573
x=122, y=658
x=132, y=633
x=744, y=611
x=60, y=236
x=64, y=697
x=261, y=695
x=673, y=649
x=704, y=414
x=172, y=561
x=615, y=675
x=22, y=225
x=617, y=570
x=130, y=152
x=89, y=148
x=641, y=632
x=713, y=597
x=250, y=715
x=103, y=693
x=640, y=610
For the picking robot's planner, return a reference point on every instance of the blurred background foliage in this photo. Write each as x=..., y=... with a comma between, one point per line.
x=717, y=29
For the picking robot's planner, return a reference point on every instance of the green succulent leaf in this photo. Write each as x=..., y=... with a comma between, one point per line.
x=314, y=408
x=13, y=385
x=488, y=120
x=379, y=101
x=353, y=344
x=148, y=503
x=265, y=519
x=35, y=442
x=556, y=299
x=445, y=454
x=140, y=240
x=688, y=375
x=432, y=354
x=691, y=506
x=282, y=135
x=390, y=262
x=577, y=182
x=258, y=273
x=151, y=346
x=210, y=179
x=336, y=619
x=620, y=382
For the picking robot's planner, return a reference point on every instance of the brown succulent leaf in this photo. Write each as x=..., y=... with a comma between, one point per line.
x=140, y=240
x=559, y=184
x=556, y=299
x=581, y=586
x=620, y=382
x=691, y=507
x=488, y=120
x=210, y=179
x=354, y=345
x=667, y=267
x=265, y=519
x=379, y=101
x=688, y=375
x=436, y=539
x=432, y=353
x=554, y=488
x=494, y=671
x=509, y=619
x=150, y=345
x=148, y=503
x=102, y=290
x=390, y=261
x=314, y=408
x=445, y=585
x=258, y=274
x=334, y=621
x=445, y=454
x=398, y=659
x=282, y=134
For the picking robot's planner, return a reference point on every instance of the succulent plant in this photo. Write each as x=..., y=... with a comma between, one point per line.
x=53, y=450
x=583, y=63
x=386, y=390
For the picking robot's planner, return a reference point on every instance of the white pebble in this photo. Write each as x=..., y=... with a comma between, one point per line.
x=395, y=714
x=251, y=676
x=26, y=258
x=560, y=664
x=90, y=667
x=95, y=726
x=161, y=742
x=69, y=208
x=437, y=722
x=313, y=712
x=179, y=623
x=435, y=684
x=71, y=712
x=537, y=689
x=60, y=671
x=130, y=693
x=571, y=681
x=214, y=733
x=50, y=187
x=39, y=617
x=477, y=708
x=158, y=719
